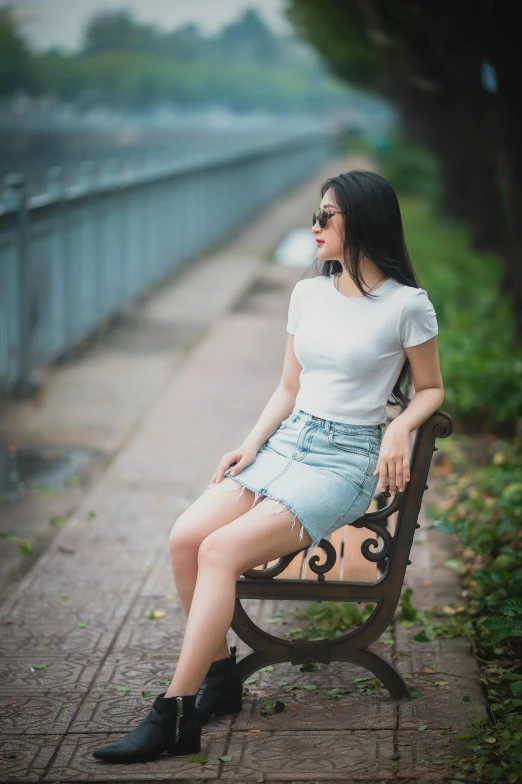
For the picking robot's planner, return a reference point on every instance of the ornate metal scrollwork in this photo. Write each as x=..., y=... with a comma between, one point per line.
x=445, y=428
x=282, y=563
x=372, y=520
x=273, y=571
x=331, y=557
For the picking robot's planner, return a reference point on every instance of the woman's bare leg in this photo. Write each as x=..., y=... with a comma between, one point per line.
x=217, y=506
x=262, y=534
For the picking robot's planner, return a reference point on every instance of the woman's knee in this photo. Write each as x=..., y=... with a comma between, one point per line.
x=216, y=549
x=183, y=537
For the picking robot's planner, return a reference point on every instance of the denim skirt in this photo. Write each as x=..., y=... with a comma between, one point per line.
x=322, y=471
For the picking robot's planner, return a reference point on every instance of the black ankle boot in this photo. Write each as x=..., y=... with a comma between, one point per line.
x=172, y=726
x=222, y=690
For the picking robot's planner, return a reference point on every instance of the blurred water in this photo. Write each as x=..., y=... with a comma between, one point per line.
x=33, y=143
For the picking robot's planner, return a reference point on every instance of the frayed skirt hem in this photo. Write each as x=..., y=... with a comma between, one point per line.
x=285, y=508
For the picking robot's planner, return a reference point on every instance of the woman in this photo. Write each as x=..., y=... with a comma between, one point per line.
x=358, y=331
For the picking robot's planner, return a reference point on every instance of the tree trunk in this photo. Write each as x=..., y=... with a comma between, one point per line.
x=507, y=62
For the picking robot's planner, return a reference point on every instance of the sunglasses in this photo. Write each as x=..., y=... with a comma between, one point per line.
x=322, y=217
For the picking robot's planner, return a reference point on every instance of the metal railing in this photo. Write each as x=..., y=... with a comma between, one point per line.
x=74, y=257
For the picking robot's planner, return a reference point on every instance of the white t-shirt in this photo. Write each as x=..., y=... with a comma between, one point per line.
x=352, y=349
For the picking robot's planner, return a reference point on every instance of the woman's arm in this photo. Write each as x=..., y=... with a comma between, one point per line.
x=393, y=465
x=427, y=380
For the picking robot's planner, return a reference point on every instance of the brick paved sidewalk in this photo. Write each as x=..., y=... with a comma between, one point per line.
x=75, y=629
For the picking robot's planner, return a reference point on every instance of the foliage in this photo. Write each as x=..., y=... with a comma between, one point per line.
x=483, y=508
x=481, y=363
x=17, y=69
x=329, y=619
x=125, y=63
x=338, y=31
x=411, y=169
x=485, y=513
x=129, y=78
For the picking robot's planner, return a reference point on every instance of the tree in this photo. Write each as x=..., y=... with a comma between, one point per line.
x=248, y=38
x=117, y=31
x=17, y=69
x=427, y=56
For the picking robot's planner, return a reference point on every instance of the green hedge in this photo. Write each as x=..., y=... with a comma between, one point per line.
x=481, y=363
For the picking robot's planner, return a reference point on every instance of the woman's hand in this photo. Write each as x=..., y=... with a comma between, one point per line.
x=394, y=458
x=242, y=456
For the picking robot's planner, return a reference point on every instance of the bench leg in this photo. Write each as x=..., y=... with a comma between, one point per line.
x=381, y=668
x=268, y=649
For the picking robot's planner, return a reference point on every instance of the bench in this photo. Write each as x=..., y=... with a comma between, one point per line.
x=281, y=579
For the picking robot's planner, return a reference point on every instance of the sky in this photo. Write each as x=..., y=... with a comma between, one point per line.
x=60, y=22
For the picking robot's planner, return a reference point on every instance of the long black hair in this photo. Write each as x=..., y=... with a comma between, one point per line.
x=373, y=228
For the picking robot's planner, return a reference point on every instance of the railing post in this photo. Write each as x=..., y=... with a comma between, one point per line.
x=15, y=197
x=55, y=189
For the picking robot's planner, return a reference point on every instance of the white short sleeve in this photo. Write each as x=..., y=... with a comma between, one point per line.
x=293, y=310
x=419, y=320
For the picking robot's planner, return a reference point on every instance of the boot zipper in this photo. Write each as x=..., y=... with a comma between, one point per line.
x=179, y=715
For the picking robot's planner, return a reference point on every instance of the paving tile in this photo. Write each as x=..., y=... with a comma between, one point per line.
x=62, y=672
x=328, y=675
x=309, y=755
x=106, y=710
x=305, y=710
x=414, y=747
x=74, y=762
x=25, y=759
x=141, y=636
x=92, y=608
x=44, y=638
x=160, y=580
x=98, y=582
x=421, y=654
x=127, y=509
x=443, y=706
x=38, y=713
x=138, y=672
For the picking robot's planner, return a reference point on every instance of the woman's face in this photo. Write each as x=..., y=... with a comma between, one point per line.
x=330, y=240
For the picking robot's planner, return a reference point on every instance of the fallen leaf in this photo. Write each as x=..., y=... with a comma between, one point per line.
x=153, y=614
